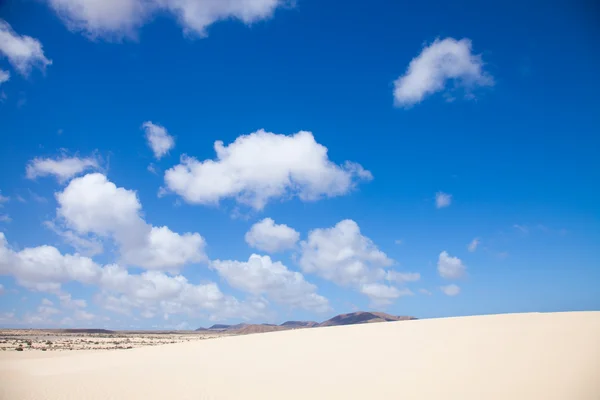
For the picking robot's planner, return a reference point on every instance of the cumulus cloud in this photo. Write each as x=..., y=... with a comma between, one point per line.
x=442, y=199
x=87, y=246
x=93, y=205
x=63, y=168
x=442, y=61
x=262, y=166
x=472, y=247
x=450, y=267
x=270, y=237
x=154, y=292
x=68, y=302
x=450, y=290
x=4, y=76
x=383, y=295
x=22, y=52
x=116, y=19
x=158, y=139
x=262, y=276
x=402, y=277
x=45, y=269
x=341, y=254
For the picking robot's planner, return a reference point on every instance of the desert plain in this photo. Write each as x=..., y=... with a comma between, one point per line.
x=512, y=356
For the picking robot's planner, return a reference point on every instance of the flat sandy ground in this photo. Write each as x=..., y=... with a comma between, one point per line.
x=507, y=357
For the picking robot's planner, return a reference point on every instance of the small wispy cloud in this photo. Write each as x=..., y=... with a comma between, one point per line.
x=442, y=199
x=3, y=199
x=522, y=228
x=450, y=290
x=472, y=247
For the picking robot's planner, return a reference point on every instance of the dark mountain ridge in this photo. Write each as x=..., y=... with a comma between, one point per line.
x=358, y=317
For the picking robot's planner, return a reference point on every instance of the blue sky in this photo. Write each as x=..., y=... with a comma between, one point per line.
x=462, y=125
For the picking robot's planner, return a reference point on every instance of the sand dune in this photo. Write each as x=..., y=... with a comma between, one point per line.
x=516, y=356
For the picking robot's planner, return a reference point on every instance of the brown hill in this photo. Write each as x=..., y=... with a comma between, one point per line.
x=299, y=324
x=256, y=328
x=363, y=317
x=359, y=317
x=223, y=327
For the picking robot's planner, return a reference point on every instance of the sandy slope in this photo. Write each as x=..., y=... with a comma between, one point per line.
x=518, y=356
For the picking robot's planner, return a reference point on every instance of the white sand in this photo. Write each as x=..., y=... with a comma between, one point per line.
x=516, y=356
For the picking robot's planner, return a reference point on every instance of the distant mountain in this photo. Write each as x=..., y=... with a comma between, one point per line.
x=359, y=317
x=363, y=317
x=217, y=327
x=86, y=331
x=262, y=328
x=300, y=324
x=223, y=327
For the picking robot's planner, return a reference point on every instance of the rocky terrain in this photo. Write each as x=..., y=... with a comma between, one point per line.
x=92, y=339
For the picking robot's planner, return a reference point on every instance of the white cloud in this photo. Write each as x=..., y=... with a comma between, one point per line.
x=46, y=302
x=261, y=276
x=158, y=139
x=4, y=76
x=270, y=237
x=93, y=204
x=23, y=52
x=425, y=291
x=473, y=245
x=382, y=295
x=63, y=168
x=522, y=228
x=87, y=246
x=442, y=199
x=429, y=72
x=68, y=302
x=115, y=19
x=402, y=277
x=261, y=166
x=4, y=217
x=44, y=269
x=450, y=267
x=341, y=254
x=1, y=289
x=82, y=315
x=450, y=290
x=36, y=197
x=109, y=18
x=154, y=292
x=165, y=249
x=3, y=199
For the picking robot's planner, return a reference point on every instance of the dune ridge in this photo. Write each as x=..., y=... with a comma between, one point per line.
x=512, y=356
